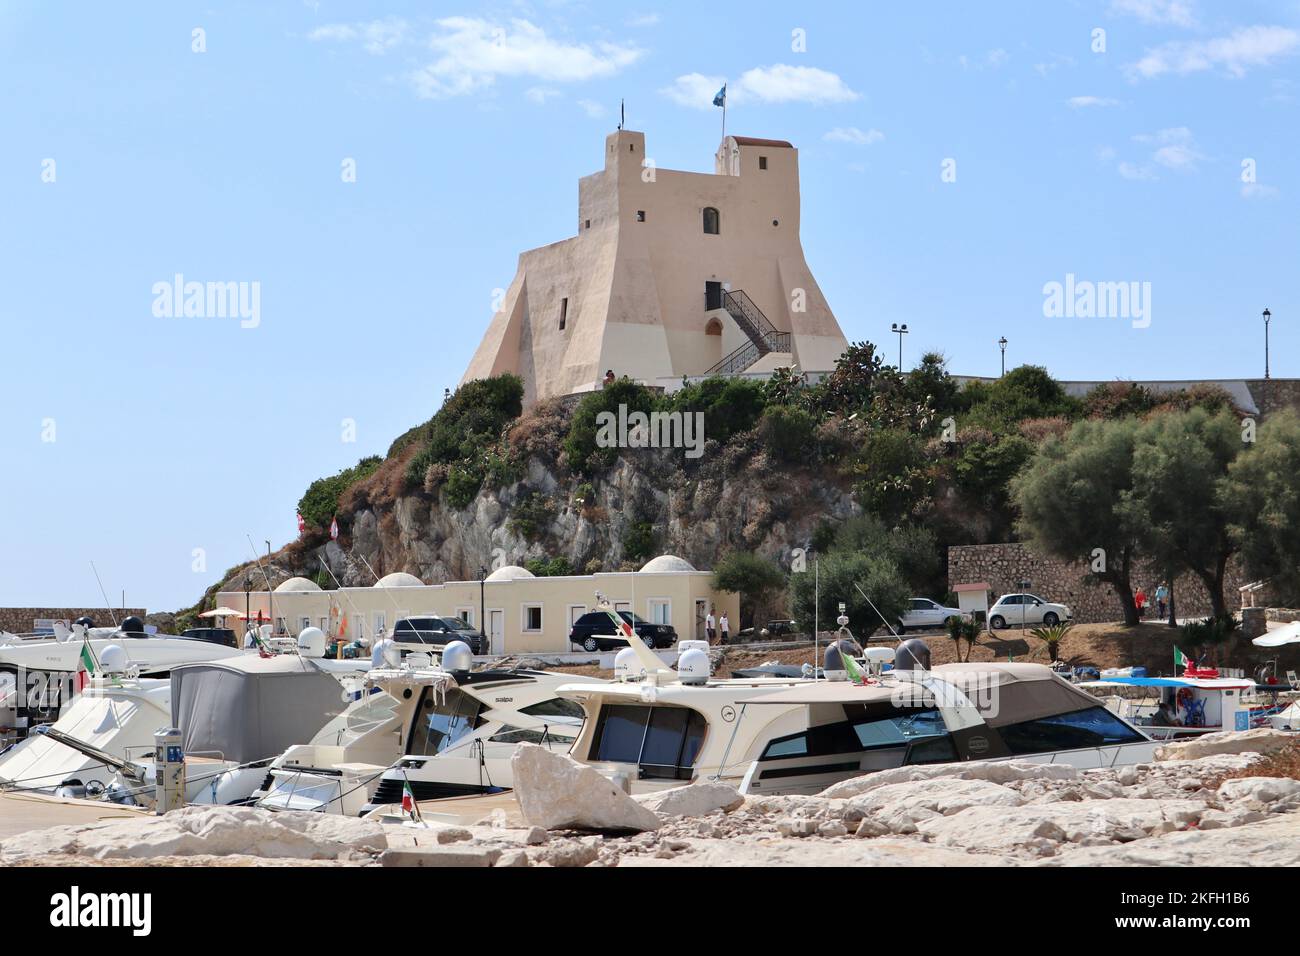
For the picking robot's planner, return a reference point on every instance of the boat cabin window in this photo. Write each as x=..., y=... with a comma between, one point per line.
x=1093, y=727
x=921, y=731
x=664, y=741
x=442, y=720
x=521, y=735
x=555, y=707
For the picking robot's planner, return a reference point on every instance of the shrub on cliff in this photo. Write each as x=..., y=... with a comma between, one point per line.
x=639, y=541
x=530, y=516
x=320, y=502
x=584, y=455
x=730, y=405
x=789, y=433
x=473, y=419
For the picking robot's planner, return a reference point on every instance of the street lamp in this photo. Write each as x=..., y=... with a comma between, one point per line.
x=900, y=330
x=1267, y=315
x=482, y=606
x=248, y=613
x=1002, y=344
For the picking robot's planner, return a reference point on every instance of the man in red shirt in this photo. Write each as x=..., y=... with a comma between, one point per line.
x=1140, y=599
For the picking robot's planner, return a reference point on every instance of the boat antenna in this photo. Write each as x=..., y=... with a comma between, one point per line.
x=339, y=586
x=392, y=599
x=891, y=629
x=269, y=590
x=104, y=594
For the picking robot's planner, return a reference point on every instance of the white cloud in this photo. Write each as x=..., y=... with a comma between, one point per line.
x=1234, y=54
x=779, y=83
x=990, y=61
x=1083, y=102
x=1134, y=171
x=471, y=54
x=1177, y=13
x=646, y=20
x=1175, y=148
x=853, y=135
x=593, y=109
x=376, y=36
x=540, y=94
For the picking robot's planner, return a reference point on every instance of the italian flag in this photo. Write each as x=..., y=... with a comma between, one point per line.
x=408, y=801
x=1180, y=659
x=621, y=627
x=86, y=665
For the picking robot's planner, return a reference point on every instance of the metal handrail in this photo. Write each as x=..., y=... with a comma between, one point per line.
x=748, y=312
x=746, y=355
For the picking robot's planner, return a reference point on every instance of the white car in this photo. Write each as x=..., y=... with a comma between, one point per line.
x=922, y=612
x=1012, y=610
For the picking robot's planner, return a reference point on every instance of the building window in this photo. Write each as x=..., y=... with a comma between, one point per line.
x=564, y=312
x=532, y=617
x=304, y=623
x=588, y=224
x=466, y=614
x=762, y=162
x=640, y=215
x=712, y=295
x=661, y=611
x=712, y=221
x=379, y=622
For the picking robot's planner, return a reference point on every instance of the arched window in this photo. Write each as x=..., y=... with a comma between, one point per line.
x=712, y=221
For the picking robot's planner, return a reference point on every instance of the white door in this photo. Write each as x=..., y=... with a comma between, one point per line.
x=496, y=630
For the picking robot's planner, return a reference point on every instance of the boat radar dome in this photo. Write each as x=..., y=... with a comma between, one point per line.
x=693, y=667
x=113, y=660
x=311, y=642
x=912, y=654
x=627, y=666
x=457, y=657
x=132, y=625
x=85, y=621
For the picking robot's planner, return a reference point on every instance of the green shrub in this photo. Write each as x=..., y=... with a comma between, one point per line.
x=639, y=541
x=585, y=457
x=554, y=568
x=530, y=516
x=788, y=432
x=471, y=420
x=320, y=502
x=462, y=486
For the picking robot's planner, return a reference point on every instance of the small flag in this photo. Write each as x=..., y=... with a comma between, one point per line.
x=1180, y=659
x=302, y=525
x=334, y=529
x=851, y=668
x=86, y=663
x=409, y=805
x=721, y=98
x=621, y=626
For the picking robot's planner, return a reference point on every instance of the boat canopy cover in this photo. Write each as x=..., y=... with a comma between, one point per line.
x=251, y=708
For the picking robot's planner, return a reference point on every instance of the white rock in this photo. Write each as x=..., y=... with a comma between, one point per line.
x=994, y=771
x=1259, y=789
x=693, y=800
x=944, y=796
x=206, y=830
x=556, y=792
x=1262, y=740
x=1274, y=842
x=1002, y=828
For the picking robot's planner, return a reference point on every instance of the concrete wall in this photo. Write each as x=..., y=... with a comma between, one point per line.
x=365, y=609
x=1002, y=565
x=22, y=620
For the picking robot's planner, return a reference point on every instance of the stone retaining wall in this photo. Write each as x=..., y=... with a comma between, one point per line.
x=22, y=620
x=1063, y=582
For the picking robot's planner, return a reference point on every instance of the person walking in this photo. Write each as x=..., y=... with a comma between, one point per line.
x=1162, y=599
x=724, y=626
x=1140, y=599
x=710, y=626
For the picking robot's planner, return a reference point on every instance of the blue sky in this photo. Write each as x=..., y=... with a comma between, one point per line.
x=135, y=440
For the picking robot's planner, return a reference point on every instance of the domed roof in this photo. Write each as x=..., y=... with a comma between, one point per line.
x=399, y=579
x=510, y=572
x=667, y=562
x=297, y=584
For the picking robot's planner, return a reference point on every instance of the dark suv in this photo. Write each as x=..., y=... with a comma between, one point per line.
x=594, y=631
x=437, y=630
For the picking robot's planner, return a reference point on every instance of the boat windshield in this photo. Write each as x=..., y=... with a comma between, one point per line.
x=357, y=721
x=441, y=720
x=664, y=741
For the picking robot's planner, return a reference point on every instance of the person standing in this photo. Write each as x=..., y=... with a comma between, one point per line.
x=724, y=626
x=1140, y=599
x=710, y=626
x=1162, y=599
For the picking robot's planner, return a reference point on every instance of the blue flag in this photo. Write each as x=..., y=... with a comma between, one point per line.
x=721, y=98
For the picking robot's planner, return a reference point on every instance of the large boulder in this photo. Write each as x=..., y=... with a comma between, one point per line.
x=206, y=831
x=994, y=771
x=693, y=800
x=1259, y=789
x=558, y=793
x=1262, y=740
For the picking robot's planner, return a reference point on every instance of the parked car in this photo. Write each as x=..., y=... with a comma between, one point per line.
x=1011, y=610
x=437, y=630
x=923, y=612
x=594, y=631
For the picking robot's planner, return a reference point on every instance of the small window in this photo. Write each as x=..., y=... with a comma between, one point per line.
x=555, y=707
x=532, y=617
x=712, y=221
x=518, y=735
x=762, y=162
x=564, y=312
x=588, y=224
x=631, y=147
x=640, y=215
x=661, y=611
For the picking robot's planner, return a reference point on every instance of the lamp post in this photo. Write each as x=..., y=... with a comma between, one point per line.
x=900, y=330
x=1002, y=344
x=482, y=606
x=1267, y=316
x=248, y=603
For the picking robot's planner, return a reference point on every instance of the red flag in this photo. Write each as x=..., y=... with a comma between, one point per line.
x=302, y=525
x=334, y=529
